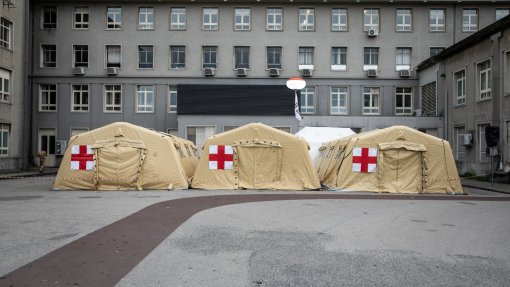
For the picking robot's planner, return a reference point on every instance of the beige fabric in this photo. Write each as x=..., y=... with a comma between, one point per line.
x=264, y=158
x=129, y=157
x=408, y=161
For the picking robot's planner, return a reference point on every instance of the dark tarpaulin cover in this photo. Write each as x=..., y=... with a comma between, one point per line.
x=267, y=100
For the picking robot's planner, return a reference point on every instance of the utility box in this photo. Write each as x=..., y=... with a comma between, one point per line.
x=60, y=147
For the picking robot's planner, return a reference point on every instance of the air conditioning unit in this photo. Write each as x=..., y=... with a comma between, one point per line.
x=306, y=73
x=466, y=140
x=60, y=147
x=112, y=71
x=208, y=72
x=371, y=73
x=78, y=70
x=241, y=72
x=372, y=32
x=274, y=72
x=405, y=73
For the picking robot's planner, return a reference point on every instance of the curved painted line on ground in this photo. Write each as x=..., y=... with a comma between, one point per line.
x=105, y=256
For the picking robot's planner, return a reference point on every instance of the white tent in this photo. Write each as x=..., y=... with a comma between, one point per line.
x=316, y=136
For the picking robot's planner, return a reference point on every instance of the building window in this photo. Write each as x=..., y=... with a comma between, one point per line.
x=371, y=101
x=370, y=59
x=470, y=20
x=81, y=56
x=370, y=19
x=484, y=70
x=112, y=98
x=172, y=99
x=5, y=33
x=339, y=58
x=48, y=56
x=460, y=87
x=80, y=99
x=49, y=17
x=403, y=101
x=501, y=13
x=145, y=57
x=113, y=56
x=177, y=57
x=305, y=57
x=210, y=19
x=339, y=20
x=177, y=18
x=209, y=57
x=274, y=57
x=274, y=18
x=404, y=20
x=114, y=18
x=339, y=96
x=307, y=100
x=81, y=18
x=4, y=139
x=307, y=19
x=242, y=19
x=146, y=18
x=47, y=98
x=242, y=57
x=482, y=144
x=435, y=50
x=404, y=56
x=145, y=99
x=459, y=149
x=5, y=86
x=437, y=20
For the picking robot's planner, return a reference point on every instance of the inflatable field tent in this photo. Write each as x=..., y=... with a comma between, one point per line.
x=396, y=159
x=122, y=156
x=255, y=156
x=315, y=136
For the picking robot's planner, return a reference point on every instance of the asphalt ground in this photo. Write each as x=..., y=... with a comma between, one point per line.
x=250, y=238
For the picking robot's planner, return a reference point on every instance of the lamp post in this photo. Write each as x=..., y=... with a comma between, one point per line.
x=296, y=84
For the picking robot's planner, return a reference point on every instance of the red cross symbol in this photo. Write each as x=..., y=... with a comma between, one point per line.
x=82, y=157
x=364, y=159
x=221, y=157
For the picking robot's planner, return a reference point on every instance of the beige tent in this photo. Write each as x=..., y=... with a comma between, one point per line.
x=255, y=156
x=122, y=156
x=396, y=159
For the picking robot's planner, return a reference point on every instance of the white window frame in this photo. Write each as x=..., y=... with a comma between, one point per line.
x=459, y=77
x=306, y=94
x=48, y=56
x=242, y=19
x=374, y=99
x=339, y=94
x=47, y=98
x=5, y=86
x=271, y=56
x=146, y=18
x=178, y=18
x=214, y=50
x=339, y=19
x=82, y=54
x=4, y=143
x=482, y=144
x=272, y=16
x=484, y=79
x=373, y=58
x=208, y=21
x=112, y=63
x=180, y=56
x=435, y=17
x=458, y=137
x=5, y=33
x=81, y=12
x=404, y=58
x=306, y=19
x=116, y=13
x=371, y=19
x=53, y=22
x=436, y=48
x=145, y=98
x=500, y=13
x=146, y=57
x=80, y=106
x=112, y=92
x=404, y=93
x=172, y=99
x=306, y=58
x=406, y=14
x=338, y=63
x=472, y=19
x=241, y=57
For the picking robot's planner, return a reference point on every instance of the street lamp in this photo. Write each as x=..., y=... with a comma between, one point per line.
x=296, y=84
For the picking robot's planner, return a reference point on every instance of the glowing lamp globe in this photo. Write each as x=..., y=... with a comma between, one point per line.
x=296, y=83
